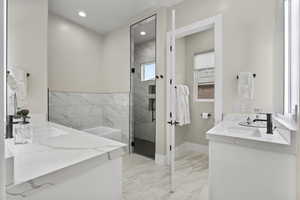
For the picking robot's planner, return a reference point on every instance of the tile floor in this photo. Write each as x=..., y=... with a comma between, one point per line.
x=143, y=180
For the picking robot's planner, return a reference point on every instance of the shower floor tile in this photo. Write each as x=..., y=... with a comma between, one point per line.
x=144, y=180
x=144, y=147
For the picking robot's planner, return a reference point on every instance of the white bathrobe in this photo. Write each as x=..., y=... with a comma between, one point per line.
x=182, y=105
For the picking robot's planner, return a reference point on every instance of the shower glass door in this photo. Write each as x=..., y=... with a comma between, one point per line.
x=143, y=87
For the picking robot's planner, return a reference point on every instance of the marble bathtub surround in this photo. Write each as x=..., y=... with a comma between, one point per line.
x=53, y=143
x=90, y=110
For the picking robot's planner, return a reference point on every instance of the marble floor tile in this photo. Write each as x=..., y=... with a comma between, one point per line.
x=144, y=180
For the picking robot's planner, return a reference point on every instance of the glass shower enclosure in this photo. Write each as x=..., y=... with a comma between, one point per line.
x=143, y=87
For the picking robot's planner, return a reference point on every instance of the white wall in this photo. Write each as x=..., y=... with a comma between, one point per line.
x=180, y=72
x=81, y=60
x=27, y=47
x=115, y=74
x=75, y=57
x=161, y=83
x=248, y=43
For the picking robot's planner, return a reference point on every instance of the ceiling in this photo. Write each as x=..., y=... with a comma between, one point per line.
x=147, y=26
x=104, y=16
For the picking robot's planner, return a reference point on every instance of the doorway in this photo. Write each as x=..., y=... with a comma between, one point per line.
x=194, y=62
x=143, y=87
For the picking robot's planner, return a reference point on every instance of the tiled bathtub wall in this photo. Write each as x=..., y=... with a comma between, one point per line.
x=89, y=110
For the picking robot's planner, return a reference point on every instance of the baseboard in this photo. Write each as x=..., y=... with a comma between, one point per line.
x=160, y=159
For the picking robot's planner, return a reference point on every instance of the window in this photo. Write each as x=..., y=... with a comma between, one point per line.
x=147, y=71
x=291, y=79
x=287, y=66
x=204, y=78
x=204, y=60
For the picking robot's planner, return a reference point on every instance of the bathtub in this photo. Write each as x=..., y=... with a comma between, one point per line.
x=107, y=132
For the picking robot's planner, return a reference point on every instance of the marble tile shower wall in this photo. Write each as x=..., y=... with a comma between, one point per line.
x=89, y=110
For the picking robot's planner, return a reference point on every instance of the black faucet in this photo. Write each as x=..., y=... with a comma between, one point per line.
x=22, y=117
x=9, y=126
x=269, y=123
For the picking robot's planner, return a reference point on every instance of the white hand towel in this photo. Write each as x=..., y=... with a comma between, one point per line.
x=246, y=85
x=18, y=83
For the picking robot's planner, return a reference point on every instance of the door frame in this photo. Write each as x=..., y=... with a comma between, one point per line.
x=215, y=22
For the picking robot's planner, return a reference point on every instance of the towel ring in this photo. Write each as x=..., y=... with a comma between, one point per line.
x=237, y=77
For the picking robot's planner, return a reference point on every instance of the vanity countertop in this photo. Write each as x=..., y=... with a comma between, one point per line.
x=56, y=147
x=230, y=128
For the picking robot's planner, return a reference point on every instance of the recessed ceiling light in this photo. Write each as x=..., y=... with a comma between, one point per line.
x=82, y=14
x=143, y=33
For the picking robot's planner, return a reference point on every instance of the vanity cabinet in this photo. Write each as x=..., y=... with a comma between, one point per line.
x=239, y=172
x=249, y=164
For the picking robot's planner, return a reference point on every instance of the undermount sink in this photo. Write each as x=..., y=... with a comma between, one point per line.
x=245, y=131
x=252, y=124
x=235, y=129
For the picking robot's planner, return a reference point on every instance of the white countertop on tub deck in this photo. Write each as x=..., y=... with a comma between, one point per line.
x=230, y=128
x=56, y=147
